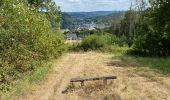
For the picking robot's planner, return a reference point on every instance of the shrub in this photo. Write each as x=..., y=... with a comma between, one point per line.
x=26, y=36
x=95, y=42
x=151, y=45
x=98, y=42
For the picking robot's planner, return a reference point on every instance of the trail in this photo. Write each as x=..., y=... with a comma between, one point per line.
x=133, y=83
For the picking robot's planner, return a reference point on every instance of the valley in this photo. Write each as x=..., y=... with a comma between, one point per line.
x=90, y=20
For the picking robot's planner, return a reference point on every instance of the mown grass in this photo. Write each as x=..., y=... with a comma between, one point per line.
x=158, y=64
x=27, y=82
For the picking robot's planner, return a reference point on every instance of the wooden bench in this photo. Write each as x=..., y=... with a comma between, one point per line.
x=104, y=78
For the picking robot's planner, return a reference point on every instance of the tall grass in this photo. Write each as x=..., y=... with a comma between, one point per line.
x=158, y=64
x=26, y=83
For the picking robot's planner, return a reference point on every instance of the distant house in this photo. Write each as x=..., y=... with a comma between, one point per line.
x=92, y=28
x=71, y=36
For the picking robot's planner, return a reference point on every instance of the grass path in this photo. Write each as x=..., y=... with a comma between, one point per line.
x=133, y=83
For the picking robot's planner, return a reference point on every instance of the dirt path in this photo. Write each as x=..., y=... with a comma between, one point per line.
x=133, y=83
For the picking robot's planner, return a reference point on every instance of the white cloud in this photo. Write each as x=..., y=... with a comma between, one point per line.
x=74, y=1
x=93, y=5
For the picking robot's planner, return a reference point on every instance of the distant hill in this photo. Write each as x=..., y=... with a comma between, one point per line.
x=70, y=19
x=82, y=15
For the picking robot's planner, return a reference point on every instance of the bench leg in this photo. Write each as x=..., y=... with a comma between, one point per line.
x=72, y=84
x=82, y=83
x=105, y=81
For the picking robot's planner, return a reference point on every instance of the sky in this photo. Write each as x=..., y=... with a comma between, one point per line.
x=93, y=5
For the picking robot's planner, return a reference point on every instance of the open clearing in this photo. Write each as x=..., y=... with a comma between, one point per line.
x=133, y=82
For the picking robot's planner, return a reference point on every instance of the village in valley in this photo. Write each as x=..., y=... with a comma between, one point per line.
x=71, y=34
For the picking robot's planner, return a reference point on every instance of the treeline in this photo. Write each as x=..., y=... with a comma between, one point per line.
x=29, y=33
x=146, y=27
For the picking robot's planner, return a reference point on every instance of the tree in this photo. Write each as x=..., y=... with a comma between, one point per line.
x=156, y=35
x=38, y=3
x=127, y=26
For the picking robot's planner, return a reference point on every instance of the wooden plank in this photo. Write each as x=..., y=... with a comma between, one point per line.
x=92, y=79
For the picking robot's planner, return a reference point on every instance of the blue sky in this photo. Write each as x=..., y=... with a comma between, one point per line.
x=93, y=5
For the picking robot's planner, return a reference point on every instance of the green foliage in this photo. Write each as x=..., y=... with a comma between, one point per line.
x=147, y=28
x=158, y=64
x=39, y=72
x=100, y=42
x=95, y=42
x=5, y=87
x=35, y=3
x=26, y=83
x=156, y=34
x=26, y=36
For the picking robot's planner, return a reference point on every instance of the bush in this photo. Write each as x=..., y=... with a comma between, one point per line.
x=151, y=45
x=95, y=42
x=105, y=42
x=26, y=36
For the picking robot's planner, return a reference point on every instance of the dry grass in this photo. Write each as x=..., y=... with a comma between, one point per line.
x=134, y=82
x=73, y=41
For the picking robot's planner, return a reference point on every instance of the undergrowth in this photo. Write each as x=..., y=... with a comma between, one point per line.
x=25, y=83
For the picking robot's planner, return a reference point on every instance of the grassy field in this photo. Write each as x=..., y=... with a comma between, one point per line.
x=129, y=69
x=134, y=81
